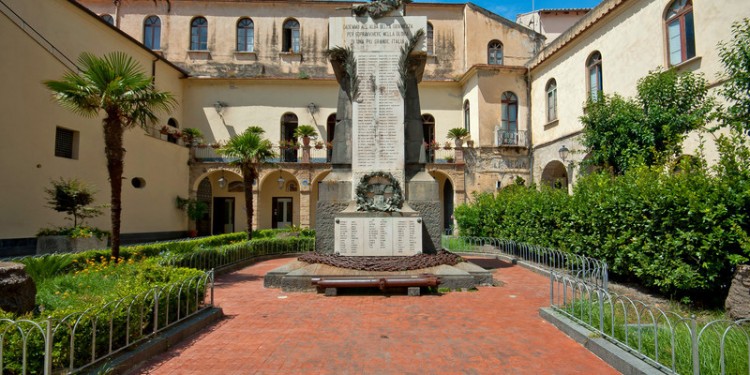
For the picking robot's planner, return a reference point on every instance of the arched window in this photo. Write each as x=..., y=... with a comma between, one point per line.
x=594, y=68
x=152, y=32
x=428, y=127
x=245, y=35
x=288, y=126
x=495, y=53
x=509, y=134
x=429, y=40
x=551, y=90
x=108, y=19
x=199, y=34
x=291, y=36
x=680, y=31
x=467, y=116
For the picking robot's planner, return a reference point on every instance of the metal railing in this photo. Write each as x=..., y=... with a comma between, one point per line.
x=283, y=155
x=506, y=138
x=589, y=270
x=82, y=339
x=667, y=340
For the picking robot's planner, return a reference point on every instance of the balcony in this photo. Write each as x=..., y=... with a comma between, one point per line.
x=505, y=138
x=285, y=155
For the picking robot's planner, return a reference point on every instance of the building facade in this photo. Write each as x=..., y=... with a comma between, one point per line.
x=518, y=87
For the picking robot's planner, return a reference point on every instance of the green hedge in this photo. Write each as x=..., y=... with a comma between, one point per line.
x=677, y=233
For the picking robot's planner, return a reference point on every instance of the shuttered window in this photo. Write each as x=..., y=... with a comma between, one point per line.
x=65, y=143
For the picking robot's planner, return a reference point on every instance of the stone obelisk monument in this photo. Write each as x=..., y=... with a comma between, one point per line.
x=378, y=200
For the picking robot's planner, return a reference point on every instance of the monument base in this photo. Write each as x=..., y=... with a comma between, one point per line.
x=297, y=276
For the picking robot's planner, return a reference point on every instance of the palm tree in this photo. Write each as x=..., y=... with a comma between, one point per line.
x=250, y=151
x=116, y=85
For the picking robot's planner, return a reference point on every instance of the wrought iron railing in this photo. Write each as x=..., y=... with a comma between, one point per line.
x=283, y=155
x=83, y=339
x=507, y=138
x=588, y=270
x=669, y=341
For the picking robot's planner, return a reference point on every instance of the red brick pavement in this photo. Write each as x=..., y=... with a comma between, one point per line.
x=496, y=330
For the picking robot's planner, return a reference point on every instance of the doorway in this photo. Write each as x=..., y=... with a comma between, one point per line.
x=288, y=127
x=448, y=207
x=282, y=212
x=223, y=215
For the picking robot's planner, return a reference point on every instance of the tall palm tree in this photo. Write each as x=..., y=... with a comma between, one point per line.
x=116, y=85
x=250, y=150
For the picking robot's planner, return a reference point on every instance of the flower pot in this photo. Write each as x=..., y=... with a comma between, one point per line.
x=459, y=142
x=305, y=141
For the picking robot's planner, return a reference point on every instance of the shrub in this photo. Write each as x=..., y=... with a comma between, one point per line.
x=676, y=233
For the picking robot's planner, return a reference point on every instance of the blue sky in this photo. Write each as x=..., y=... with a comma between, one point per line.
x=510, y=8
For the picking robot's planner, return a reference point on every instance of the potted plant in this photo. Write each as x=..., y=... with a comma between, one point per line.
x=329, y=145
x=458, y=135
x=449, y=159
x=447, y=145
x=74, y=198
x=164, y=129
x=434, y=145
x=191, y=135
x=195, y=210
x=306, y=132
x=216, y=145
x=319, y=145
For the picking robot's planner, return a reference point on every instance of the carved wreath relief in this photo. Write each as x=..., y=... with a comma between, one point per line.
x=379, y=191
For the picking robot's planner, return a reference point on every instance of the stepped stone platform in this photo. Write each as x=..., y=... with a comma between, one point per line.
x=297, y=276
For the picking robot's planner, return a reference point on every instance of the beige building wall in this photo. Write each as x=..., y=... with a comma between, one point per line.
x=30, y=118
x=551, y=22
x=631, y=39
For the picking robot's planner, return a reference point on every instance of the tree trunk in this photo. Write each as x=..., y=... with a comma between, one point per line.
x=248, y=176
x=115, y=153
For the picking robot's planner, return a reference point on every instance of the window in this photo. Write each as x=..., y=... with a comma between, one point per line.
x=245, y=35
x=66, y=143
x=291, y=36
x=152, y=32
x=680, y=31
x=495, y=53
x=429, y=40
x=108, y=19
x=199, y=34
x=594, y=68
x=509, y=102
x=467, y=116
x=551, y=90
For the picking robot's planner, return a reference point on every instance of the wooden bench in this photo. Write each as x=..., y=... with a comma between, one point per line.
x=412, y=283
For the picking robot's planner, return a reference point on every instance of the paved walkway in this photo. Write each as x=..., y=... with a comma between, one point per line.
x=496, y=330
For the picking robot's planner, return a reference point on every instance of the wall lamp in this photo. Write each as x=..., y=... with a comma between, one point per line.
x=312, y=108
x=563, y=151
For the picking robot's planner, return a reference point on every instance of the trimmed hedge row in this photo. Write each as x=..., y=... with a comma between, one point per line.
x=677, y=233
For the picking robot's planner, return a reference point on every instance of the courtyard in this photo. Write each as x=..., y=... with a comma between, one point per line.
x=491, y=330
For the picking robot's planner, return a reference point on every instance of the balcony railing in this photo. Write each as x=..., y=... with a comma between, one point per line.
x=507, y=138
x=285, y=155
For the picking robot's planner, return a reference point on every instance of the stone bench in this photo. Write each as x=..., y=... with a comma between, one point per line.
x=412, y=283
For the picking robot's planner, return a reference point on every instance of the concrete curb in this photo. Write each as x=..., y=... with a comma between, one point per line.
x=250, y=261
x=131, y=359
x=617, y=357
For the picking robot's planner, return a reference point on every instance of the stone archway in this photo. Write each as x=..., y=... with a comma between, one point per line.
x=447, y=191
x=555, y=175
